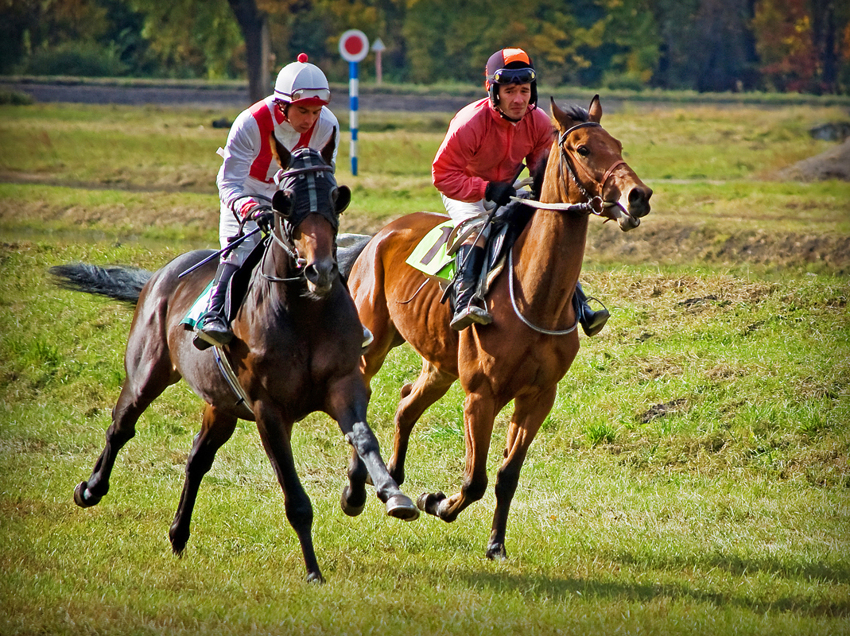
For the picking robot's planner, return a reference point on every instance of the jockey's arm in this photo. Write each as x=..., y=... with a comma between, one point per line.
x=241, y=150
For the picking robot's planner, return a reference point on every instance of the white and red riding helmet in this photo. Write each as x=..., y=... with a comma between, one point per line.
x=303, y=83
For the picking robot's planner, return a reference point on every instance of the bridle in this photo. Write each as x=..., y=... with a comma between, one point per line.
x=566, y=165
x=593, y=204
x=286, y=224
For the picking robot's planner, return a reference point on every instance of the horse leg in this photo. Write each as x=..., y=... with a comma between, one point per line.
x=529, y=413
x=478, y=416
x=275, y=435
x=430, y=386
x=347, y=401
x=148, y=374
x=216, y=429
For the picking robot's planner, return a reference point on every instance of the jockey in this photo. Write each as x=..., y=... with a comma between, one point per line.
x=480, y=157
x=298, y=115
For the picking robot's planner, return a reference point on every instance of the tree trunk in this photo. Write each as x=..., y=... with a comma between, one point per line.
x=823, y=22
x=255, y=30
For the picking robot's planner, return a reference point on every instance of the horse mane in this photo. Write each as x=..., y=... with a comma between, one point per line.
x=349, y=247
x=577, y=113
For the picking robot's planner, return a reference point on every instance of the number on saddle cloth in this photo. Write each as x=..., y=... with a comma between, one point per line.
x=431, y=256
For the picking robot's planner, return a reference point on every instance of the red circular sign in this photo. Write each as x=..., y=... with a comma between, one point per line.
x=353, y=45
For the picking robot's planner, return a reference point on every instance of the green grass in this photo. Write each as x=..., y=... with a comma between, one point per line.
x=692, y=478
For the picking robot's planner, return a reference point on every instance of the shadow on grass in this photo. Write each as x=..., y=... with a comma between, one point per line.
x=557, y=588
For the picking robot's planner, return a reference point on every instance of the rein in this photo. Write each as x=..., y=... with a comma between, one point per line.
x=592, y=205
x=528, y=323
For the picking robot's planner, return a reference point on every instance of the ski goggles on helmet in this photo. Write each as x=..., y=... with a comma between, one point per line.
x=313, y=94
x=514, y=76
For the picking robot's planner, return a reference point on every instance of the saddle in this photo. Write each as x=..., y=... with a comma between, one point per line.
x=434, y=255
x=236, y=289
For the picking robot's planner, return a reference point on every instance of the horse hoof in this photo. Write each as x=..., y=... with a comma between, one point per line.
x=347, y=508
x=401, y=507
x=80, y=496
x=496, y=552
x=315, y=578
x=430, y=502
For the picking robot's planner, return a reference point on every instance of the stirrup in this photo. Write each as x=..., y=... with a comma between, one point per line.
x=212, y=334
x=468, y=315
x=591, y=321
x=368, y=338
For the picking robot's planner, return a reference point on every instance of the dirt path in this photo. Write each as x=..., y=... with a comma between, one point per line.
x=214, y=97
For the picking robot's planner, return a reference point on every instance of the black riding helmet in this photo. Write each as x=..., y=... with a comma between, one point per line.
x=510, y=66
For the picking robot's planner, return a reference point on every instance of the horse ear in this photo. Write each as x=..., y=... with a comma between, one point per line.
x=328, y=150
x=281, y=154
x=343, y=198
x=281, y=203
x=595, y=109
x=560, y=119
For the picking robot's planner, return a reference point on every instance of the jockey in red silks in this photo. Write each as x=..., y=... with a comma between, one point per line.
x=479, y=158
x=298, y=115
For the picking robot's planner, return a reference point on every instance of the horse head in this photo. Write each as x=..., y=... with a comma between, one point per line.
x=307, y=204
x=593, y=159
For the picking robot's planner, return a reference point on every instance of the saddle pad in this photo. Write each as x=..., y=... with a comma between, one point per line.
x=430, y=256
x=198, y=308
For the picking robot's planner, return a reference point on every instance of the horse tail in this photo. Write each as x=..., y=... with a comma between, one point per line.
x=349, y=247
x=120, y=283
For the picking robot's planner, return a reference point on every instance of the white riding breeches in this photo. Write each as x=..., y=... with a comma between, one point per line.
x=228, y=227
x=461, y=211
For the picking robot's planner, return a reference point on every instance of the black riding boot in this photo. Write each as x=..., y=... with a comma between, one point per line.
x=469, y=262
x=591, y=321
x=214, y=327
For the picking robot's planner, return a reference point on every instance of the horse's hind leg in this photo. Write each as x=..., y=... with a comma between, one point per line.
x=149, y=373
x=217, y=428
x=529, y=413
x=430, y=386
x=478, y=416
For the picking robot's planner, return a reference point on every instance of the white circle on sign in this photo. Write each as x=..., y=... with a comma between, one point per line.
x=353, y=45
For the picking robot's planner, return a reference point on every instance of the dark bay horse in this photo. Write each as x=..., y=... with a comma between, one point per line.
x=532, y=341
x=296, y=350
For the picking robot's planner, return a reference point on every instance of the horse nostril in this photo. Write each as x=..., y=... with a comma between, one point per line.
x=639, y=201
x=321, y=273
x=636, y=195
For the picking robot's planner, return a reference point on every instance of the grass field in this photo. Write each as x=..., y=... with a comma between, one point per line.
x=693, y=477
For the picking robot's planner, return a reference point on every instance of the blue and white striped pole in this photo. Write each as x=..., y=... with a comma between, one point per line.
x=353, y=46
x=353, y=93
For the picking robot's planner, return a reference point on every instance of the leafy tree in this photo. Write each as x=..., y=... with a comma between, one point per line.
x=191, y=38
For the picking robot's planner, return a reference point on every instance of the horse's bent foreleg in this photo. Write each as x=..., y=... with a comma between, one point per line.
x=143, y=385
x=478, y=415
x=529, y=413
x=430, y=386
x=347, y=400
x=215, y=431
x=275, y=435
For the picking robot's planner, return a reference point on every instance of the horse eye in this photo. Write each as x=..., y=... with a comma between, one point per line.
x=583, y=151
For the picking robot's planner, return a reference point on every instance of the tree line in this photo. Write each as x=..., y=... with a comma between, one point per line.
x=702, y=45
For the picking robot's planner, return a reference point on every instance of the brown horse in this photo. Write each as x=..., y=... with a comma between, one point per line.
x=296, y=350
x=532, y=341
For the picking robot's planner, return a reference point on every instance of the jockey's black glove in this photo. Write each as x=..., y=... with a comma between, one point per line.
x=264, y=218
x=499, y=192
